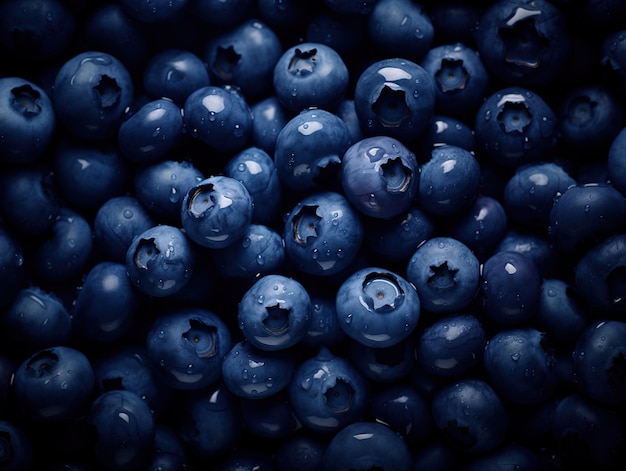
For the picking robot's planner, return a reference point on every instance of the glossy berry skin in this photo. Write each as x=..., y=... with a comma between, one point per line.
x=124, y=428
x=584, y=215
x=17, y=447
x=245, y=57
x=117, y=222
x=523, y=43
x=445, y=273
x=160, y=260
x=187, y=346
x=394, y=97
x=327, y=393
x=91, y=91
x=252, y=373
x=367, y=445
x=161, y=187
x=451, y=346
x=54, y=384
x=27, y=121
x=394, y=24
x=449, y=181
x=259, y=252
x=521, y=457
x=309, y=149
x=218, y=116
x=616, y=161
x=274, y=313
x=515, y=126
x=377, y=308
x=383, y=365
x=537, y=247
x=460, y=78
x=257, y=171
x=216, y=212
x=510, y=288
x=561, y=312
x=446, y=130
x=598, y=361
x=470, y=415
x=36, y=319
x=104, y=309
x=344, y=33
x=310, y=75
x=519, y=367
x=613, y=58
x=323, y=234
x=152, y=132
x=324, y=328
x=530, y=193
x=219, y=13
x=12, y=271
x=380, y=176
x=268, y=119
x=175, y=74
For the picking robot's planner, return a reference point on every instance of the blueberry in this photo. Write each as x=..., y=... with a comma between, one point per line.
x=616, y=160
x=537, y=247
x=445, y=274
x=324, y=328
x=160, y=260
x=383, y=365
x=380, y=176
x=16, y=445
x=561, y=313
x=351, y=7
x=347, y=112
x=217, y=211
x=157, y=11
x=344, y=33
x=377, y=308
x=310, y=75
x=12, y=271
x=446, y=130
x=323, y=234
x=303, y=452
x=271, y=417
x=613, y=58
x=246, y=458
x=327, y=393
x=395, y=97
x=521, y=457
x=275, y=313
x=268, y=119
x=27, y=121
x=188, y=346
x=91, y=91
x=221, y=13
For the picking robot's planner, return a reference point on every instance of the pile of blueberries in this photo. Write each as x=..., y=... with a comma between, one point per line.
x=312, y=235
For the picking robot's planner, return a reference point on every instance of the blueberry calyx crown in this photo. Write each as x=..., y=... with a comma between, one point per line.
x=523, y=41
x=303, y=62
x=108, y=91
x=25, y=99
x=381, y=292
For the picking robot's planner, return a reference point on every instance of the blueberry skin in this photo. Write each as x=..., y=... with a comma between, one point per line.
x=309, y=149
x=88, y=175
x=323, y=234
x=520, y=457
x=160, y=260
x=395, y=97
x=303, y=452
x=327, y=393
x=91, y=91
x=217, y=211
x=455, y=22
x=36, y=319
x=27, y=121
x=54, y=384
x=271, y=417
x=405, y=410
x=380, y=176
x=367, y=445
x=347, y=112
x=519, y=366
x=12, y=270
x=29, y=202
x=400, y=236
x=17, y=447
x=535, y=246
x=218, y=116
x=175, y=74
x=344, y=33
x=598, y=359
x=246, y=458
x=561, y=312
x=449, y=181
x=131, y=369
x=252, y=373
x=383, y=365
x=352, y=7
x=515, y=126
x=445, y=273
x=152, y=132
x=613, y=58
x=584, y=215
x=161, y=187
x=470, y=415
x=220, y=13
x=324, y=328
x=522, y=43
x=460, y=78
x=105, y=307
x=158, y=11
x=616, y=161
x=377, y=307
x=452, y=346
x=259, y=252
x=446, y=130
x=394, y=24
x=510, y=289
x=66, y=253
x=268, y=119
x=530, y=192
x=116, y=223
x=274, y=313
x=310, y=75
x=245, y=57
x=257, y=171
x=124, y=428
x=188, y=346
